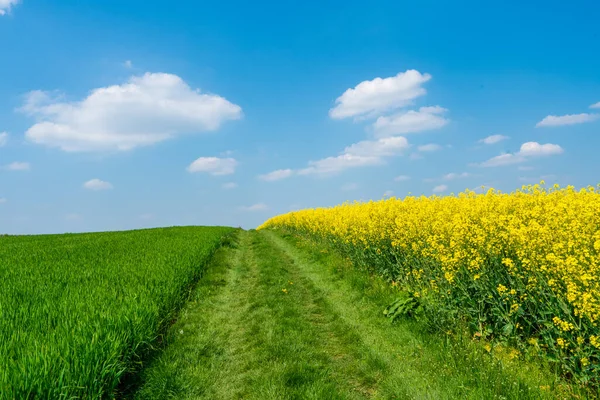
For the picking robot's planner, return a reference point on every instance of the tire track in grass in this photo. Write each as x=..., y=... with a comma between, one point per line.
x=413, y=365
x=270, y=321
x=258, y=336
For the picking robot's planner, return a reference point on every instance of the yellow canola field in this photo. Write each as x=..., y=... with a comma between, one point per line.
x=525, y=264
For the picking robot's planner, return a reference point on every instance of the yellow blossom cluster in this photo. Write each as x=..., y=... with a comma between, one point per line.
x=536, y=250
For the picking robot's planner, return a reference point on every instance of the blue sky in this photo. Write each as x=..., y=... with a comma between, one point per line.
x=129, y=114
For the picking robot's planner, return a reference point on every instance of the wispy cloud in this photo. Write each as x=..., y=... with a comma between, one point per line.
x=361, y=154
x=401, y=178
x=276, y=175
x=6, y=5
x=18, y=166
x=213, y=165
x=493, y=139
x=97, y=184
x=3, y=139
x=572, y=119
x=452, y=176
x=429, y=147
x=424, y=119
x=527, y=150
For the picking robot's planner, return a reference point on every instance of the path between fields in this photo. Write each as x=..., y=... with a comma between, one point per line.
x=269, y=321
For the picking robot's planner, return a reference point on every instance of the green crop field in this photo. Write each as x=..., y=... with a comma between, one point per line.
x=79, y=312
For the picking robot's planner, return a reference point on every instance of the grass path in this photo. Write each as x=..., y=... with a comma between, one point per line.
x=277, y=318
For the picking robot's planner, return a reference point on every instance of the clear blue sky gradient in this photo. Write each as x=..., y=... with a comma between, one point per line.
x=498, y=69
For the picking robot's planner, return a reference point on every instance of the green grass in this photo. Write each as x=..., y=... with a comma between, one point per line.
x=78, y=313
x=279, y=317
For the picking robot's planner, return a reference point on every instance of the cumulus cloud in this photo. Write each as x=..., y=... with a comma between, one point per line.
x=572, y=119
x=425, y=119
x=6, y=5
x=440, y=188
x=493, y=139
x=276, y=175
x=361, y=154
x=527, y=150
x=370, y=98
x=255, y=207
x=595, y=105
x=3, y=139
x=429, y=147
x=18, y=166
x=401, y=178
x=213, y=165
x=145, y=110
x=229, y=185
x=536, y=149
x=97, y=184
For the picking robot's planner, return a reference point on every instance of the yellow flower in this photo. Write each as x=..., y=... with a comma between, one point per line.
x=585, y=362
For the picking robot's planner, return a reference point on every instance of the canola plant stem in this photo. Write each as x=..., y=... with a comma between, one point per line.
x=278, y=318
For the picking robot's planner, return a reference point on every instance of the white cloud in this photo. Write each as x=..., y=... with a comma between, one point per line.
x=426, y=118
x=97, y=184
x=440, y=188
x=384, y=147
x=213, y=165
x=415, y=156
x=3, y=139
x=370, y=98
x=596, y=105
x=349, y=187
x=361, y=154
x=388, y=193
x=527, y=150
x=3, y=200
x=276, y=175
x=452, y=175
x=5, y=5
x=429, y=147
x=255, y=207
x=493, y=139
x=128, y=64
x=503, y=159
x=145, y=110
x=229, y=185
x=147, y=216
x=536, y=149
x=401, y=178
x=572, y=119
x=18, y=166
